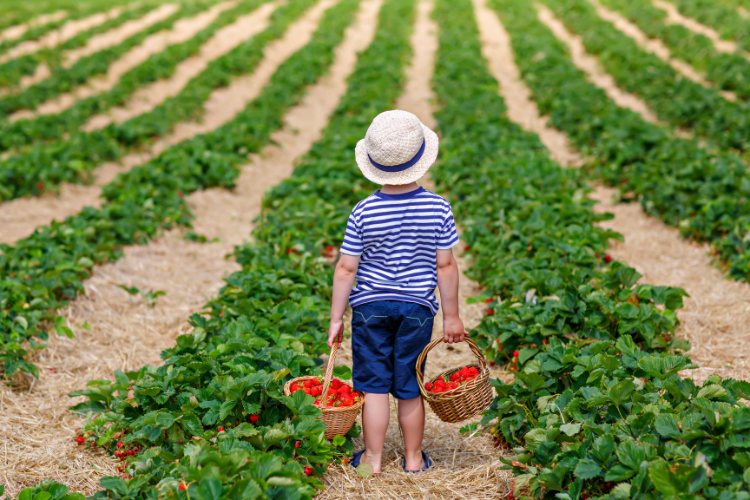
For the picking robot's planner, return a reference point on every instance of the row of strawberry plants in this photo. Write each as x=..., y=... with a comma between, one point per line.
x=677, y=100
x=722, y=18
x=44, y=271
x=726, y=71
x=597, y=408
x=704, y=193
x=12, y=71
x=158, y=66
x=46, y=166
x=66, y=79
x=229, y=429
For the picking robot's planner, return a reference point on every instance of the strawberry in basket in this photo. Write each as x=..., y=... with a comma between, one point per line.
x=459, y=378
x=339, y=393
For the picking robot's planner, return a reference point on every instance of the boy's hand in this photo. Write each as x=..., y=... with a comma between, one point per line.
x=453, y=330
x=335, y=332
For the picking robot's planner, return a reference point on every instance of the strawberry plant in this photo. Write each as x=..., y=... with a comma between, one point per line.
x=702, y=192
x=162, y=65
x=597, y=408
x=213, y=417
x=39, y=274
x=721, y=17
x=726, y=71
x=686, y=103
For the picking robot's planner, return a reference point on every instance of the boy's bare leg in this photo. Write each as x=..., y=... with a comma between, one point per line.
x=375, y=416
x=411, y=419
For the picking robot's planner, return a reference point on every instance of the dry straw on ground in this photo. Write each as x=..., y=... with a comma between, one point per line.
x=125, y=332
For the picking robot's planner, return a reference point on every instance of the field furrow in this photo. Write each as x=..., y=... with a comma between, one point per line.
x=675, y=17
x=125, y=332
x=68, y=30
x=182, y=31
x=722, y=18
x=17, y=31
x=226, y=39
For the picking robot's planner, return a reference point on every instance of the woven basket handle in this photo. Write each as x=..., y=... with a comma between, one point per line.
x=329, y=373
x=423, y=355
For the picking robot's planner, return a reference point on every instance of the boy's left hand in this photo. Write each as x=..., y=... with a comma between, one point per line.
x=453, y=330
x=335, y=332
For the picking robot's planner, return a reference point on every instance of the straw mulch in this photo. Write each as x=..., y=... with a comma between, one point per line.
x=716, y=317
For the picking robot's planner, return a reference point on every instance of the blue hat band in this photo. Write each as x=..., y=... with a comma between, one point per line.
x=403, y=166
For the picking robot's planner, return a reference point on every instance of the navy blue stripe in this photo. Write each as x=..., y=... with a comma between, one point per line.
x=403, y=166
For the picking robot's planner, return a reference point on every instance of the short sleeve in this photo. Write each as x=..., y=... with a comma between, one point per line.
x=448, y=237
x=352, y=238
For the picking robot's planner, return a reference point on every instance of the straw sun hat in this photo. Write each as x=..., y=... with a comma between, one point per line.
x=397, y=149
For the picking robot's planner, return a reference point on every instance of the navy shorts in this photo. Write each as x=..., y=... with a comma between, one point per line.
x=387, y=338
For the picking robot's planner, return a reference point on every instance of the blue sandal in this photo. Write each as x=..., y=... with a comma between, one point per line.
x=427, y=464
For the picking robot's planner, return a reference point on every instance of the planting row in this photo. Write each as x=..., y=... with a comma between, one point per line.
x=597, y=408
x=44, y=271
x=721, y=16
x=704, y=193
x=12, y=71
x=45, y=167
x=677, y=100
x=728, y=71
x=213, y=422
x=158, y=66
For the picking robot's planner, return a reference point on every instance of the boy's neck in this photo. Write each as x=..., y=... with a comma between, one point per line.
x=399, y=189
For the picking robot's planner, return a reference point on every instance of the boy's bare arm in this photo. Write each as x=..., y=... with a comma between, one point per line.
x=447, y=276
x=343, y=281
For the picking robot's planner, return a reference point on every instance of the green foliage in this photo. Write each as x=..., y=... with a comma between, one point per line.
x=722, y=18
x=727, y=71
x=269, y=323
x=704, y=193
x=597, y=408
x=39, y=274
x=677, y=100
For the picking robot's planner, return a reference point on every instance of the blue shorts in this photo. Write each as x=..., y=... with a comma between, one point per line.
x=387, y=338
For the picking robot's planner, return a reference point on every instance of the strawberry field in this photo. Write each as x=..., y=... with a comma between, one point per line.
x=176, y=177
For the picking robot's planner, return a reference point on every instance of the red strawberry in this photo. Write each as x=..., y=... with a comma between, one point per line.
x=220, y=429
x=545, y=341
x=467, y=248
x=345, y=389
x=490, y=312
x=308, y=383
x=80, y=439
x=515, y=354
x=119, y=444
x=130, y=452
x=489, y=300
x=179, y=193
x=336, y=384
x=607, y=258
x=308, y=470
x=182, y=486
x=297, y=445
x=254, y=418
x=428, y=386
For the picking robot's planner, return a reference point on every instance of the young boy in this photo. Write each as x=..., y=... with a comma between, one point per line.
x=398, y=248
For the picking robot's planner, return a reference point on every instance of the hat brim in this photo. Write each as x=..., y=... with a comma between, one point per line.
x=411, y=174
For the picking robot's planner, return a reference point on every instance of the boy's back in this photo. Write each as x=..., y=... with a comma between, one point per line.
x=396, y=237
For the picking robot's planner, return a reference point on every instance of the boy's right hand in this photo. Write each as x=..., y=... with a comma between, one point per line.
x=335, y=332
x=453, y=330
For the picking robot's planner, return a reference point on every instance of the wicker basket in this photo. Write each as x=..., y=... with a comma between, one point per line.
x=465, y=401
x=339, y=419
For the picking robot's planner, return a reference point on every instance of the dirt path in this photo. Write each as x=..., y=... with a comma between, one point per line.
x=61, y=35
x=497, y=50
x=19, y=218
x=466, y=467
x=223, y=41
x=744, y=12
x=675, y=17
x=715, y=318
x=591, y=67
x=656, y=47
x=126, y=333
x=225, y=103
x=182, y=31
x=17, y=31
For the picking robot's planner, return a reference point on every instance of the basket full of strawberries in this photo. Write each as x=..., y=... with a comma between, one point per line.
x=457, y=394
x=341, y=403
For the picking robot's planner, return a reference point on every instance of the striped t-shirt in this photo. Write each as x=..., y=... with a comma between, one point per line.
x=397, y=237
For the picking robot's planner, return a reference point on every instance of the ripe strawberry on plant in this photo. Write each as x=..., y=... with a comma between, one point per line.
x=308, y=470
x=254, y=418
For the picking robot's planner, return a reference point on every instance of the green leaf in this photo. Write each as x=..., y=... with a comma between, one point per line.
x=619, y=473
x=343, y=372
x=571, y=429
x=587, y=469
x=667, y=425
x=192, y=424
x=712, y=391
x=209, y=489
